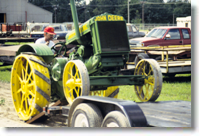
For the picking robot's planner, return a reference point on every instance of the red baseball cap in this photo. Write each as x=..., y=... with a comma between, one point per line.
x=49, y=30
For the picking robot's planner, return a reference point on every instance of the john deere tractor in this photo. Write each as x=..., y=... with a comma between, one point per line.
x=92, y=67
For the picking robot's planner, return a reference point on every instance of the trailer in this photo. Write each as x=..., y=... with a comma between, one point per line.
x=95, y=111
x=172, y=60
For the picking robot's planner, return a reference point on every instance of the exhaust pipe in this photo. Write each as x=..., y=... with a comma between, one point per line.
x=75, y=20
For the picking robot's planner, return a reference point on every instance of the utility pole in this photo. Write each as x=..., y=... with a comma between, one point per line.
x=128, y=11
x=143, y=12
x=55, y=8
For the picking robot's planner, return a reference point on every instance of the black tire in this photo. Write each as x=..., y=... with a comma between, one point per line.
x=115, y=119
x=91, y=115
x=141, y=56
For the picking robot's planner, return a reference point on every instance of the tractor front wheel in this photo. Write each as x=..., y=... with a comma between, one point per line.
x=151, y=89
x=75, y=80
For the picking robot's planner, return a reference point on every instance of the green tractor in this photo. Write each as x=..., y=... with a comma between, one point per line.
x=92, y=67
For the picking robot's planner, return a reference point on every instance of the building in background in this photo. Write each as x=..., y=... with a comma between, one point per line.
x=184, y=21
x=21, y=11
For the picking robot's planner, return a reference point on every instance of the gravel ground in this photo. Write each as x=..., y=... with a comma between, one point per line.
x=9, y=118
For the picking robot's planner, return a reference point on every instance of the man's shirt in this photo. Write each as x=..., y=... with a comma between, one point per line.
x=42, y=41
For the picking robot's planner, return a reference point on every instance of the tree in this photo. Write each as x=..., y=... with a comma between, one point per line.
x=155, y=11
x=137, y=18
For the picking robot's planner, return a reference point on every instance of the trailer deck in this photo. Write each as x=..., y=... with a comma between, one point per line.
x=167, y=113
x=173, y=59
x=158, y=114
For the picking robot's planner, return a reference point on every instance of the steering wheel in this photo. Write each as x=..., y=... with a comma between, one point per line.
x=59, y=52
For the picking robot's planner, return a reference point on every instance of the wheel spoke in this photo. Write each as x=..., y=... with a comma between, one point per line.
x=29, y=76
x=76, y=91
x=26, y=71
x=26, y=102
x=31, y=93
x=20, y=90
x=30, y=84
x=140, y=90
x=77, y=73
x=150, y=70
x=145, y=74
x=23, y=74
x=31, y=89
x=21, y=106
x=149, y=82
x=78, y=83
x=70, y=73
x=19, y=77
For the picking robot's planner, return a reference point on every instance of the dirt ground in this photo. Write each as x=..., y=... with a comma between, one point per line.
x=9, y=118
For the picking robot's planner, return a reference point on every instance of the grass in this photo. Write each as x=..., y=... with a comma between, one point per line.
x=17, y=43
x=5, y=73
x=177, y=88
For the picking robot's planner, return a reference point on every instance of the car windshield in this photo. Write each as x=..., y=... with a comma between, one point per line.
x=37, y=28
x=156, y=33
x=129, y=28
x=134, y=28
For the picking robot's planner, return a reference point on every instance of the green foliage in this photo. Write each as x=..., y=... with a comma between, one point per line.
x=137, y=18
x=155, y=11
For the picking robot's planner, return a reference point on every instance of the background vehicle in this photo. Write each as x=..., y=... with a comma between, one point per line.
x=163, y=36
x=133, y=31
x=60, y=30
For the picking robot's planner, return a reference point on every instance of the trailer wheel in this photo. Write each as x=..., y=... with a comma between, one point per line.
x=140, y=56
x=115, y=119
x=75, y=80
x=30, y=85
x=151, y=89
x=86, y=115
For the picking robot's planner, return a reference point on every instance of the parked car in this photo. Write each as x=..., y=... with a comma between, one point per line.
x=133, y=31
x=59, y=29
x=162, y=36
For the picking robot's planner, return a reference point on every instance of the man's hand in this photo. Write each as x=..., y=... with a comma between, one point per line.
x=47, y=43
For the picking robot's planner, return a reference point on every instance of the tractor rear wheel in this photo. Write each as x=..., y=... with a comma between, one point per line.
x=86, y=115
x=30, y=85
x=75, y=80
x=151, y=89
x=115, y=119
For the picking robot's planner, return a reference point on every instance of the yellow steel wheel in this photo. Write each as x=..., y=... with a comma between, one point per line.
x=151, y=89
x=75, y=80
x=109, y=92
x=30, y=85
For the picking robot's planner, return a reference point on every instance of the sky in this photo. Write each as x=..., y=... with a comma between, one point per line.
x=87, y=1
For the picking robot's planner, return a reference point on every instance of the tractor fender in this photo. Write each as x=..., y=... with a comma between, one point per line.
x=130, y=109
x=41, y=50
